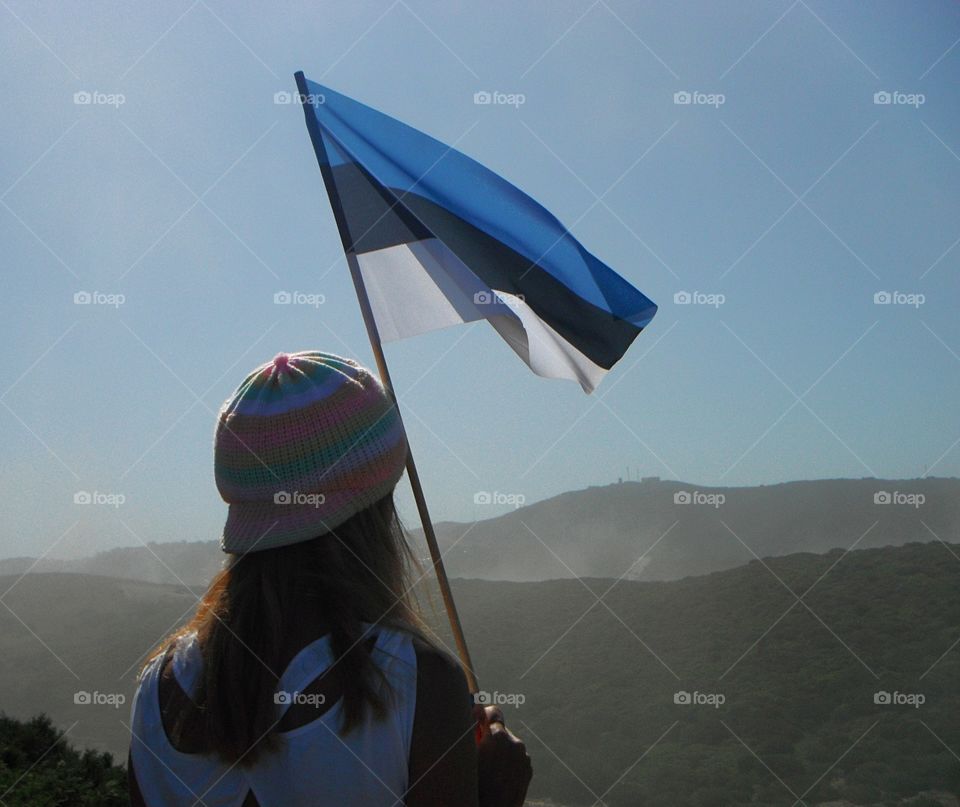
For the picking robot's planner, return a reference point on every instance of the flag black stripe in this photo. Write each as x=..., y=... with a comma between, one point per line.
x=373, y=220
x=377, y=217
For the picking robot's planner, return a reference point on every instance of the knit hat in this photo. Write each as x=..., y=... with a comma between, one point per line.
x=305, y=442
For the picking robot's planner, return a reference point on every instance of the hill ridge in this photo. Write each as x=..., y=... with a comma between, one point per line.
x=603, y=529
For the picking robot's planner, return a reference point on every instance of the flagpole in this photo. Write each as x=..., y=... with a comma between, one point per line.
x=374, y=336
x=428, y=532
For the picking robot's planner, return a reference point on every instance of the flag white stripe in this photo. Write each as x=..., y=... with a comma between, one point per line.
x=422, y=286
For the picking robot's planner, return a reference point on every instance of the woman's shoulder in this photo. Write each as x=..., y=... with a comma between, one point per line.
x=443, y=758
x=439, y=673
x=177, y=659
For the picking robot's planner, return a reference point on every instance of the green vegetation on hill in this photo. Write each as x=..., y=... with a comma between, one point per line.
x=799, y=680
x=797, y=648
x=39, y=768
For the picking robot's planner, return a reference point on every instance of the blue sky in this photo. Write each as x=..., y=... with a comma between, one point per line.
x=186, y=189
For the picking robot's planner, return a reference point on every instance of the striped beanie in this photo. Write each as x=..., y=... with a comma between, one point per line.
x=305, y=442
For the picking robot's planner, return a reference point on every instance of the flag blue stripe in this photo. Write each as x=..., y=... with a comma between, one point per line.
x=409, y=161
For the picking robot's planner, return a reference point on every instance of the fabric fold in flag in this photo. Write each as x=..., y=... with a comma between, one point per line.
x=441, y=240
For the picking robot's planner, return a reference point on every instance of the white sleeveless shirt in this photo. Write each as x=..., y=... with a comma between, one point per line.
x=313, y=765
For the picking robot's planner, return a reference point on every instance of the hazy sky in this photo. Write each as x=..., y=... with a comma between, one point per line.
x=185, y=188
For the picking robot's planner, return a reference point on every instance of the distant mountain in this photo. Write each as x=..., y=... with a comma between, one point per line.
x=193, y=562
x=661, y=530
x=711, y=691
x=650, y=530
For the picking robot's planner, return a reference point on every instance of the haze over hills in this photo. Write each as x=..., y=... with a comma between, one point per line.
x=782, y=695
x=679, y=529
x=649, y=530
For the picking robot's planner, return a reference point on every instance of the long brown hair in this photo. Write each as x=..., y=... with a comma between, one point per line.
x=360, y=572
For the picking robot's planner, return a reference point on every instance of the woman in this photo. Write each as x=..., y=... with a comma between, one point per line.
x=304, y=677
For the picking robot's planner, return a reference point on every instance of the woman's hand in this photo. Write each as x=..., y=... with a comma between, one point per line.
x=504, y=765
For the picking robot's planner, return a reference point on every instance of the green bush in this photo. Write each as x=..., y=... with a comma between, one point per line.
x=38, y=768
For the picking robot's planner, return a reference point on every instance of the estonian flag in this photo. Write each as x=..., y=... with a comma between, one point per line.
x=440, y=240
